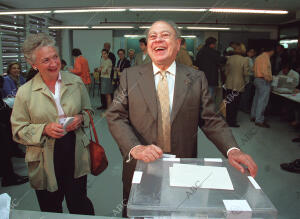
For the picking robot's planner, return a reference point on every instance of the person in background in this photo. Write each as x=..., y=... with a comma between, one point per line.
x=106, y=83
x=13, y=80
x=122, y=63
x=262, y=82
x=112, y=58
x=9, y=177
x=209, y=60
x=142, y=57
x=290, y=73
x=81, y=68
x=131, y=57
x=31, y=73
x=280, y=57
x=63, y=65
x=236, y=69
x=58, y=158
x=247, y=95
x=183, y=56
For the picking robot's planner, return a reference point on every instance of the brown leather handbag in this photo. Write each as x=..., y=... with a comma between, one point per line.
x=99, y=160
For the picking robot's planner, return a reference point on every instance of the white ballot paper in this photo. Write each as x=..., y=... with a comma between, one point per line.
x=4, y=206
x=65, y=122
x=208, y=177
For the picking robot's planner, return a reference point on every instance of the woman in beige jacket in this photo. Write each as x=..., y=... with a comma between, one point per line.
x=57, y=158
x=236, y=69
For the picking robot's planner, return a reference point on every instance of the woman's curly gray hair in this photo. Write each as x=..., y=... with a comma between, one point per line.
x=34, y=41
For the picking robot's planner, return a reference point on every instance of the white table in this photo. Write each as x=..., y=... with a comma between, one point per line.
x=292, y=97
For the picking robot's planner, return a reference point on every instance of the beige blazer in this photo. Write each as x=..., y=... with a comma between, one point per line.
x=133, y=116
x=33, y=109
x=183, y=57
x=139, y=59
x=236, y=70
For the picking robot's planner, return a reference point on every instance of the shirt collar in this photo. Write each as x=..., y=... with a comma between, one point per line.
x=171, y=69
x=59, y=77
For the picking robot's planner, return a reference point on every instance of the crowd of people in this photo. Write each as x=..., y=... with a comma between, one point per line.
x=53, y=93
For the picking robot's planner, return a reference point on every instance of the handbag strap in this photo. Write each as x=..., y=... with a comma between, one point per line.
x=93, y=127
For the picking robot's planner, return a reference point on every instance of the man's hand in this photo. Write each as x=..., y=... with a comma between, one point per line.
x=54, y=130
x=237, y=157
x=148, y=153
x=75, y=124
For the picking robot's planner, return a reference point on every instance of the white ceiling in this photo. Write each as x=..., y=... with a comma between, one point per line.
x=180, y=17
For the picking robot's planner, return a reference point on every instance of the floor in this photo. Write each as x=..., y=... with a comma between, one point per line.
x=268, y=147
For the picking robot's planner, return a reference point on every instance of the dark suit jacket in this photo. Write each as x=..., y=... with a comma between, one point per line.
x=132, y=117
x=208, y=60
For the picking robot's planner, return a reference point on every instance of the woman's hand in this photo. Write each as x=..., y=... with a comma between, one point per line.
x=54, y=130
x=78, y=119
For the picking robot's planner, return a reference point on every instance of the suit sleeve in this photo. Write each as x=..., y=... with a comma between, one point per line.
x=212, y=124
x=118, y=118
x=25, y=132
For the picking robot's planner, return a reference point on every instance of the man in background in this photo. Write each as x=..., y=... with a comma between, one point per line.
x=142, y=57
x=131, y=57
x=262, y=83
x=183, y=56
x=209, y=60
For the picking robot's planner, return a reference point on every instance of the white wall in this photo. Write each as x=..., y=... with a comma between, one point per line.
x=90, y=42
x=66, y=47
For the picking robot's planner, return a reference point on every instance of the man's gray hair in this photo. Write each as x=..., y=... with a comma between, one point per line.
x=34, y=41
x=171, y=23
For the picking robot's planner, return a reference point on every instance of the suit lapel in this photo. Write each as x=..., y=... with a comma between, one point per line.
x=182, y=83
x=147, y=87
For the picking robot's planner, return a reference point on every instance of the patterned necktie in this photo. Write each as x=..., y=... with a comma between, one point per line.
x=164, y=124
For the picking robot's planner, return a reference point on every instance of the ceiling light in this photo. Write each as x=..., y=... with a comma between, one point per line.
x=288, y=41
x=112, y=27
x=170, y=9
x=189, y=36
x=89, y=10
x=68, y=27
x=11, y=26
x=6, y=12
x=147, y=27
x=208, y=28
x=254, y=11
x=134, y=36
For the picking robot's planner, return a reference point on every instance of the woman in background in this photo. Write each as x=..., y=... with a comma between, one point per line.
x=236, y=69
x=81, y=68
x=13, y=80
x=105, y=70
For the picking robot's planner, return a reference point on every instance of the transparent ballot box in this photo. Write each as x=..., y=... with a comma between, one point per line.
x=152, y=195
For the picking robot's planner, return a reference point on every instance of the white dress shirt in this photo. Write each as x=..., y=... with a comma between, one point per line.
x=171, y=85
x=56, y=98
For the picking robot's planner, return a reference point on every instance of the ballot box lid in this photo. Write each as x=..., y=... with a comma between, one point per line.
x=152, y=196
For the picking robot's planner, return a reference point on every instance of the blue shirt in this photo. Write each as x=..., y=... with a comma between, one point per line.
x=9, y=86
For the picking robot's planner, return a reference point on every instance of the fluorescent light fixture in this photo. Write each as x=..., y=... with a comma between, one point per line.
x=208, y=28
x=170, y=9
x=147, y=27
x=6, y=12
x=288, y=41
x=89, y=10
x=249, y=11
x=10, y=56
x=134, y=36
x=112, y=27
x=189, y=36
x=11, y=26
x=68, y=27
